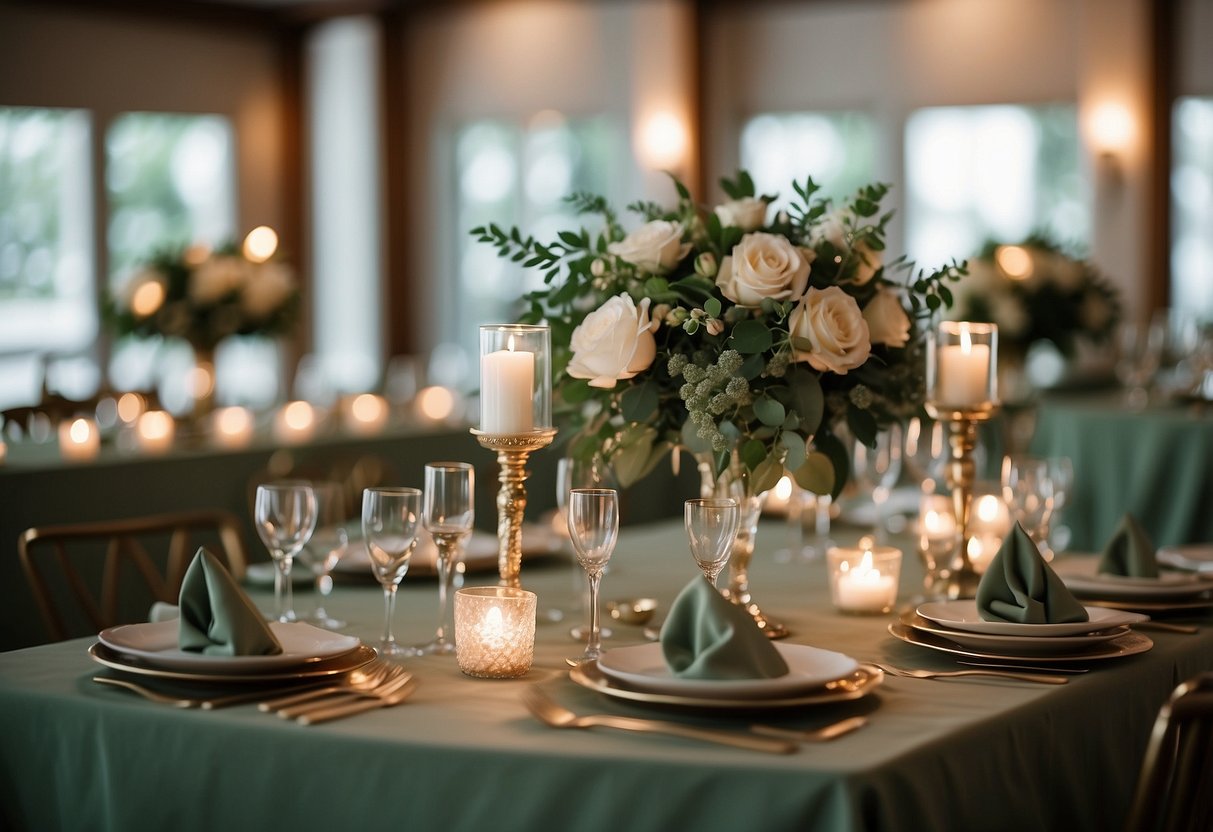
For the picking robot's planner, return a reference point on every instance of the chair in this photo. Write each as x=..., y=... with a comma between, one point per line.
x=66, y=562
x=1175, y=788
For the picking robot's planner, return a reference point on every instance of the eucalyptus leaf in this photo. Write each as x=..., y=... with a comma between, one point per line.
x=751, y=336
x=863, y=424
x=808, y=397
x=753, y=453
x=691, y=440
x=766, y=475
x=796, y=449
x=712, y=307
x=769, y=412
x=832, y=447
x=639, y=402
x=816, y=474
x=576, y=391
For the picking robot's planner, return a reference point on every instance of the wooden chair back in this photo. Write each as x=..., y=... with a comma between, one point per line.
x=1175, y=788
x=76, y=571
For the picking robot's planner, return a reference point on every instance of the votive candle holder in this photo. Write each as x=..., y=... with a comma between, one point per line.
x=494, y=631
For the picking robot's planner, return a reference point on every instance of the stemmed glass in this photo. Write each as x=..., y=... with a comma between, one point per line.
x=712, y=524
x=1061, y=473
x=877, y=469
x=285, y=514
x=448, y=515
x=1139, y=351
x=327, y=546
x=390, y=519
x=1028, y=490
x=593, y=528
x=576, y=473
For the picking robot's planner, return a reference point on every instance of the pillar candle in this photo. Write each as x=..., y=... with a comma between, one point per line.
x=963, y=374
x=507, y=391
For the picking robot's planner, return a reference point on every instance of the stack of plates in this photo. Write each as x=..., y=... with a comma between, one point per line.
x=814, y=676
x=1169, y=592
x=1197, y=557
x=307, y=652
x=957, y=627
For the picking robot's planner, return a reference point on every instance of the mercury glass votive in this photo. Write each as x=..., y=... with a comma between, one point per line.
x=494, y=631
x=515, y=379
x=864, y=579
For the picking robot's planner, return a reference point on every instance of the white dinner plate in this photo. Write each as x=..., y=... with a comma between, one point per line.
x=1195, y=557
x=643, y=667
x=1129, y=644
x=155, y=644
x=354, y=659
x=963, y=615
x=1024, y=644
x=1080, y=577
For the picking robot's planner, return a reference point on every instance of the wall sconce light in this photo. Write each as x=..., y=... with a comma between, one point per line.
x=661, y=141
x=1110, y=130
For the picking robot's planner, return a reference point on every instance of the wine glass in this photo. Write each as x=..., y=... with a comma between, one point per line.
x=390, y=519
x=877, y=469
x=712, y=524
x=1028, y=491
x=447, y=515
x=576, y=473
x=593, y=528
x=285, y=514
x=1139, y=351
x=328, y=546
x=925, y=450
x=1061, y=472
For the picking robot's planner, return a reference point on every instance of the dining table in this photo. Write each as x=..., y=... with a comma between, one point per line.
x=464, y=753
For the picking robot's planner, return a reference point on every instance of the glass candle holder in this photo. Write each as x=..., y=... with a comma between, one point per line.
x=936, y=539
x=962, y=365
x=494, y=631
x=864, y=579
x=295, y=423
x=515, y=379
x=79, y=439
x=989, y=524
x=232, y=427
x=154, y=432
x=365, y=414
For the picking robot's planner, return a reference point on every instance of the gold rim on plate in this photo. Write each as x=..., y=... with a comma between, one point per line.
x=1127, y=645
x=337, y=665
x=855, y=686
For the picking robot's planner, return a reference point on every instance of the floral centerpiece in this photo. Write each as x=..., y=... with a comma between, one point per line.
x=204, y=296
x=1035, y=291
x=741, y=334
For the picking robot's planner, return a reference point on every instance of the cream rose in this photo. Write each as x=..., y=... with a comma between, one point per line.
x=269, y=287
x=614, y=342
x=763, y=266
x=833, y=228
x=655, y=247
x=830, y=320
x=747, y=213
x=216, y=277
x=887, y=320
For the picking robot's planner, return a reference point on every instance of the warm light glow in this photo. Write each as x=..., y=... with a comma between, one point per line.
x=510, y=344
x=201, y=380
x=79, y=439
x=988, y=508
x=436, y=403
x=975, y=549
x=1110, y=127
x=783, y=488
x=233, y=427
x=154, y=431
x=298, y=415
x=1015, y=261
x=147, y=298
x=260, y=244
x=130, y=407
x=196, y=254
x=966, y=339
x=80, y=430
x=3, y=450
x=662, y=141
x=368, y=408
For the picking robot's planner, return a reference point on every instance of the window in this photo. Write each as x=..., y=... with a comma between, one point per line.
x=1192, y=207
x=1001, y=172
x=514, y=175
x=837, y=149
x=46, y=275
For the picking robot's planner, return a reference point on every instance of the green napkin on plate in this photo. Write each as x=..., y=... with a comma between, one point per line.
x=706, y=636
x=1129, y=552
x=217, y=618
x=1020, y=587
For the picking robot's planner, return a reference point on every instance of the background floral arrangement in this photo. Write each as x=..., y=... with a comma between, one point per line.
x=1035, y=291
x=739, y=333
x=205, y=296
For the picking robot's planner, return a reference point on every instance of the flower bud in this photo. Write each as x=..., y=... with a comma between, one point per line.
x=597, y=268
x=715, y=326
x=706, y=265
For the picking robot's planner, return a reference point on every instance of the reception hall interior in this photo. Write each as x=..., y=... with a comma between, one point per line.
x=811, y=400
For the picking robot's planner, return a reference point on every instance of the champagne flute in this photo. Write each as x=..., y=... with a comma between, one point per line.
x=593, y=528
x=285, y=514
x=448, y=515
x=576, y=473
x=1061, y=472
x=327, y=546
x=1028, y=491
x=876, y=469
x=390, y=519
x=712, y=524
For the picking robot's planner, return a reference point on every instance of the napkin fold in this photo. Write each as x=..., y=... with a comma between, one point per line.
x=1129, y=552
x=1020, y=587
x=706, y=636
x=217, y=618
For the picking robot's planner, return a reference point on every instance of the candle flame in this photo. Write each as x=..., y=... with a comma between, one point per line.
x=80, y=431
x=987, y=508
x=783, y=488
x=510, y=344
x=966, y=340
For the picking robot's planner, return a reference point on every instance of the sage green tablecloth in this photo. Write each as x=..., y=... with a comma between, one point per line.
x=1156, y=463
x=464, y=754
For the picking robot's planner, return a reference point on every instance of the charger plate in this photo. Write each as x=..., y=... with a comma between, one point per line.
x=329, y=667
x=1020, y=644
x=1126, y=645
x=857, y=685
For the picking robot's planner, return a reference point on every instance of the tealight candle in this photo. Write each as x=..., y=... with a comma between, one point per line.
x=435, y=404
x=864, y=580
x=295, y=423
x=494, y=631
x=154, y=432
x=79, y=439
x=507, y=387
x=366, y=414
x=232, y=427
x=989, y=523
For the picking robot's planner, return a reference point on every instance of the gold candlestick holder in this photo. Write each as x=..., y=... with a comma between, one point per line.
x=512, y=451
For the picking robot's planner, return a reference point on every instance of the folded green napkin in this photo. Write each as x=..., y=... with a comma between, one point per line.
x=1020, y=587
x=217, y=618
x=706, y=636
x=1129, y=552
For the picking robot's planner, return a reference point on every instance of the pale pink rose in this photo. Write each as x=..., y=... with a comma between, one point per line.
x=763, y=266
x=830, y=320
x=887, y=320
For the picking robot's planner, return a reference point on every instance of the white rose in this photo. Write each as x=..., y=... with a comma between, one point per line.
x=830, y=320
x=215, y=278
x=887, y=320
x=831, y=228
x=763, y=266
x=614, y=342
x=747, y=213
x=655, y=247
x=269, y=287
